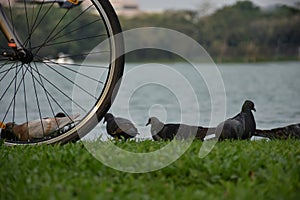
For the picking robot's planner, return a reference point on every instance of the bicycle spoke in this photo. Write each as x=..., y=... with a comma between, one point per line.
x=53, y=30
x=15, y=92
x=53, y=98
x=11, y=82
x=72, y=82
x=41, y=59
x=36, y=24
x=71, y=22
x=25, y=97
x=65, y=42
x=58, y=89
x=43, y=86
x=79, y=73
x=34, y=18
x=67, y=67
x=37, y=98
x=13, y=65
x=14, y=95
x=47, y=96
x=74, y=30
x=27, y=21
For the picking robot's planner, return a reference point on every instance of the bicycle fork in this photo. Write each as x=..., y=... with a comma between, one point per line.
x=18, y=51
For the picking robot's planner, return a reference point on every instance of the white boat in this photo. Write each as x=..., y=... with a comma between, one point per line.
x=61, y=59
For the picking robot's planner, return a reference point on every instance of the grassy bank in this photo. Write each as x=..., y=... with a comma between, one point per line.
x=233, y=170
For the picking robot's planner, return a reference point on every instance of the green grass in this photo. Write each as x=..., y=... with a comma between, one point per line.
x=233, y=170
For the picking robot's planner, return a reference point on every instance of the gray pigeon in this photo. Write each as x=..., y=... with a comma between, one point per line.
x=242, y=126
x=120, y=128
x=161, y=131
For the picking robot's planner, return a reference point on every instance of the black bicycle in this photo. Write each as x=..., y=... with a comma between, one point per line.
x=60, y=64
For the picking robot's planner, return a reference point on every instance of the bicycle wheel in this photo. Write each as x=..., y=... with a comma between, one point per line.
x=77, y=61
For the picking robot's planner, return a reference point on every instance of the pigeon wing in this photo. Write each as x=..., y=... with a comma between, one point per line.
x=230, y=129
x=111, y=127
x=63, y=121
x=169, y=131
x=124, y=125
x=37, y=130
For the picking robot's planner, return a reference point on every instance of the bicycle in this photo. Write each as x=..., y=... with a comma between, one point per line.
x=36, y=84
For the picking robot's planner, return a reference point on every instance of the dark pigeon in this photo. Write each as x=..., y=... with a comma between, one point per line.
x=281, y=133
x=119, y=128
x=242, y=126
x=161, y=131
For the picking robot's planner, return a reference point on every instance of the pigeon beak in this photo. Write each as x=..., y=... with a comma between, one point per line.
x=254, y=109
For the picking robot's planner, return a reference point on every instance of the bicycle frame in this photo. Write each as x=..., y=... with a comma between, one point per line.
x=12, y=38
x=36, y=85
x=19, y=52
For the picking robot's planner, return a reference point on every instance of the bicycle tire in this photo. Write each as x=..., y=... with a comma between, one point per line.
x=52, y=90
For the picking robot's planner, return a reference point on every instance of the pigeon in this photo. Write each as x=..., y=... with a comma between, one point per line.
x=282, y=133
x=119, y=128
x=242, y=126
x=203, y=133
x=36, y=129
x=161, y=131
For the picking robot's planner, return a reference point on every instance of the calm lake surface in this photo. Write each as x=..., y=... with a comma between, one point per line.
x=203, y=94
x=273, y=87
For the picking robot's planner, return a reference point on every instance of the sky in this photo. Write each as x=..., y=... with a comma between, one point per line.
x=156, y=5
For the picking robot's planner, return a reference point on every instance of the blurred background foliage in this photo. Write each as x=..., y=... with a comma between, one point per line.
x=239, y=33
x=242, y=32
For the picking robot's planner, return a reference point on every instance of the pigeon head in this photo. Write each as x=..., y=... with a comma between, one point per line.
x=156, y=125
x=60, y=114
x=7, y=132
x=107, y=117
x=153, y=121
x=10, y=126
x=248, y=106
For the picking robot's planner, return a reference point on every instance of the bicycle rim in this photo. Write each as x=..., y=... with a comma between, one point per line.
x=75, y=70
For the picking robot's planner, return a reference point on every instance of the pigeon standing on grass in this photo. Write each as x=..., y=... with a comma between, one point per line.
x=36, y=129
x=120, y=128
x=242, y=126
x=161, y=131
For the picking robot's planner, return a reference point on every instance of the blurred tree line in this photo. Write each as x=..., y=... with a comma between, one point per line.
x=239, y=33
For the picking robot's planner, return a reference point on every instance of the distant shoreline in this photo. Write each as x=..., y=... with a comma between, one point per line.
x=214, y=60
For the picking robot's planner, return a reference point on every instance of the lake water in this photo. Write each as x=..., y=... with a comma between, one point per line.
x=201, y=94
x=176, y=92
